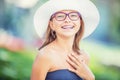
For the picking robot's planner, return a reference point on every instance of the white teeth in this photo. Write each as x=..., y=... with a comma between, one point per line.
x=67, y=27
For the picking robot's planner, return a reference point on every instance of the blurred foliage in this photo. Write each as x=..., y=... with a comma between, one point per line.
x=104, y=72
x=114, y=32
x=15, y=65
x=104, y=60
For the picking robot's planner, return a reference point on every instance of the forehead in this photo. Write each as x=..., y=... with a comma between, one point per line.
x=67, y=11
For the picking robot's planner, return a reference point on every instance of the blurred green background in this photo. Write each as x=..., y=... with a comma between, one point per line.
x=19, y=42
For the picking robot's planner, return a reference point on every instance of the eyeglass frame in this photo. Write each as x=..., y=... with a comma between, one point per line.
x=67, y=14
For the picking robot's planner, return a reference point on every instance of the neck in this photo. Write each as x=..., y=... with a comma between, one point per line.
x=64, y=44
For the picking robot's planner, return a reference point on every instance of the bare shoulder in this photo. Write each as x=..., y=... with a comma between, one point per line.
x=41, y=65
x=44, y=55
x=43, y=59
x=85, y=55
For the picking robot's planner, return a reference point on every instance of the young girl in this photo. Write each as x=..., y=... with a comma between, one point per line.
x=66, y=22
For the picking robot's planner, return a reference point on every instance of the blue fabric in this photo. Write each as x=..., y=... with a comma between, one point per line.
x=62, y=74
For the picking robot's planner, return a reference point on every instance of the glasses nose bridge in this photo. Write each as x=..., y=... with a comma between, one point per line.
x=67, y=16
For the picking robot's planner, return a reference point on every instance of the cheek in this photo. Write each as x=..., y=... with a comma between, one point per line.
x=56, y=23
x=78, y=24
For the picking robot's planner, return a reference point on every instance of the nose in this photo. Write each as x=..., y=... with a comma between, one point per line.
x=67, y=19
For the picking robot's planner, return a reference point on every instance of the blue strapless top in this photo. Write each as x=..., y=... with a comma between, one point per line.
x=62, y=74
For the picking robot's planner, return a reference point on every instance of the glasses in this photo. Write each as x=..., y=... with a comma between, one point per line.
x=61, y=16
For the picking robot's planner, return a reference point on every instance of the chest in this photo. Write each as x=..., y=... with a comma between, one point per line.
x=59, y=61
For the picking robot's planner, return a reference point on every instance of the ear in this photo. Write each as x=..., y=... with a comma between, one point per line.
x=51, y=25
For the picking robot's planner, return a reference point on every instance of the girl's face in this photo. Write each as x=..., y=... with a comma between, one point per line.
x=65, y=23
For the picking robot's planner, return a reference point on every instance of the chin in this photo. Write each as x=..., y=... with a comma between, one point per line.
x=68, y=34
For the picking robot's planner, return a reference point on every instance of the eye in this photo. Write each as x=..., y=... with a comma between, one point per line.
x=60, y=15
x=73, y=15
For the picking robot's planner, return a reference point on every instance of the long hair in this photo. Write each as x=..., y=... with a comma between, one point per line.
x=51, y=36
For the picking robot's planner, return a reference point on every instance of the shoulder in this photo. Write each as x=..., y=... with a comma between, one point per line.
x=85, y=55
x=46, y=52
x=44, y=55
x=43, y=59
x=41, y=65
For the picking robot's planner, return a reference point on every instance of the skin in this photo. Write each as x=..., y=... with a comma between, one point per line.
x=59, y=54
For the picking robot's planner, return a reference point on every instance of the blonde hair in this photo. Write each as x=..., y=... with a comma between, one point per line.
x=51, y=36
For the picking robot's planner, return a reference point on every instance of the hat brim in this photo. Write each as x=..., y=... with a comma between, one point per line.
x=86, y=8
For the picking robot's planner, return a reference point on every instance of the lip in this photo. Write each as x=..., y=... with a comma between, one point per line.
x=67, y=27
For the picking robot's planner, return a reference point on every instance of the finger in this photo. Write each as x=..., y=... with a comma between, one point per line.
x=73, y=59
x=76, y=57
x=79, y=59
x=71, y=63
x=72, y=70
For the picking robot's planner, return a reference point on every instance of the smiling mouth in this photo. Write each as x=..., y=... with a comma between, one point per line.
x=67, y=27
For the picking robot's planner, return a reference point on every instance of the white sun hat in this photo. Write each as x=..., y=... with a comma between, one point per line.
x=86, y=8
